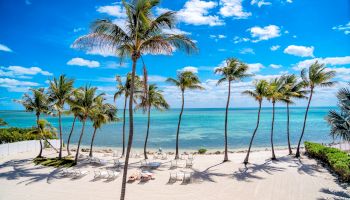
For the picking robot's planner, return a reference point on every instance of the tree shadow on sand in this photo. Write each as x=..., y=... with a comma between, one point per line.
x=336, y=195
x=207, y=175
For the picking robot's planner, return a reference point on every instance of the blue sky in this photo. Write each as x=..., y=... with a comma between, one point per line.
x=272, y=36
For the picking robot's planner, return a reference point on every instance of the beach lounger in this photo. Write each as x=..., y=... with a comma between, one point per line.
x=117, y=163
x=173, y=177
x=173, y=164
x=164, y=156
x=189, y=163
x=146, y=176
x=113, y=174
x=67, y=172
x=80, y=173
x=190, y=157
x=151, y=165
x=134, y=176
x=187, y=177
x=100, y=174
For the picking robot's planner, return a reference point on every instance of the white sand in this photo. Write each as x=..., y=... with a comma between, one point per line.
x=287, y=179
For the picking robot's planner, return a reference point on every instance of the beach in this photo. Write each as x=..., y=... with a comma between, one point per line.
x=287, y=178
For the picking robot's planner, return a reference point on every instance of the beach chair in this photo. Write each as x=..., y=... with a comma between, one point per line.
x=164, y=156
x=183, y=156
x=100, y=174
x=117, y=163
x=172, y=177
x=134, y=176
x=146, y=176
x=66, y=172
x=80, y=173
x=187, y=177
x=190, y=156
x=173, y=164
x=189, y=163
x=112, y=174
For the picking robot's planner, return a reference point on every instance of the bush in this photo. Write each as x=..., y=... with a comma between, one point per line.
x=9, y=135
x=337, y=160
x=202, y=151
x=54, y=162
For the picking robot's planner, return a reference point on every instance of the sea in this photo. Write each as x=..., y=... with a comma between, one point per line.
x=200, y=127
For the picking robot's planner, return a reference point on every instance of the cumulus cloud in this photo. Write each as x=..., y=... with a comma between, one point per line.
x=275, y=47
x=196, y=12
x=190, y=69
x=301, y=51
x=344, y=28
x=5, y=48
x=264, y=33
x=116, y=10
x=233, y=8
x=260, y=3
x=333, y=61
x=22, y=72
x=83, y=62
x=275, y=66
x=255, y=67
x=14, y=85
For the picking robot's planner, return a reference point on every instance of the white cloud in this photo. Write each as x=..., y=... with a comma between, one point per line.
x=233, y=8
x=5, y=48
x=14, y=85
x=196, y=12
x=255, y=67
x=75, y=30
x=264, y=33
x=301, y=51
x=22, y=72
x=116, y=10
x=217, y=37
x=260, y=3
x=266, y=77
x=275, y=47
x=238, y=39
x=275, y=66
x=247, y=51
x=333, y=61
x=190, y=69
x=345, y=28
x=105, y=52
x=289, y=1
x=156, y=78
x=83, y=62
x=175, y=31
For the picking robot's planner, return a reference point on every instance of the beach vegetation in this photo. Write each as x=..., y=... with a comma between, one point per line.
x=54, y=162
x=3, y=122
x=15, y=134
x=202, y=151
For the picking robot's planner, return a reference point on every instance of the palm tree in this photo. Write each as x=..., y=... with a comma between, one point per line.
x=38, y=102
x=258, y=94
x=43, y=129
x=340, y=121
x=317, y=75
x=75, y=114
x=291, y=89
x=102, y=114
x=124, y=89
x=59, y=91
x=234, y=70
x=185, y=80
x=274, y=93
x=142, y=34
x=84, y=102
x=156, y=100
x=3, y=122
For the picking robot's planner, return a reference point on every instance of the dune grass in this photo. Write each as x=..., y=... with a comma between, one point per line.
x=54, y=162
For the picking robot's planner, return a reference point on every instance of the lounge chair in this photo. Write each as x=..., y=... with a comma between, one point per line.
x=190, y=157
x=117, y=163
x=146, y=176
x=173, y=164
x=67, y=172
x=189, y=163
x=100, y=174
x=80, y=173
x=112, y=174
x=151, y=165
x=173, y=177
x=164, y=156
x=187, y=178
x=134, y=176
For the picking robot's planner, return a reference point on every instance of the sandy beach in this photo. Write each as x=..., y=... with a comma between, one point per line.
x=288, y=178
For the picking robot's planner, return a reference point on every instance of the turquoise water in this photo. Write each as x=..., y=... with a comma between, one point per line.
x=200, y=127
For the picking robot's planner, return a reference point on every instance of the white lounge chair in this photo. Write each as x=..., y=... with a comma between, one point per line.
x=112, y=174
x=66, y=172
x=189, y=163
x=173, y=164
x=187, y=177
x=79, y=173
x=173, y=177
x=100, y=174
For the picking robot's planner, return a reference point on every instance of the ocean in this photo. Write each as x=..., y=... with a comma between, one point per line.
x=200, y=127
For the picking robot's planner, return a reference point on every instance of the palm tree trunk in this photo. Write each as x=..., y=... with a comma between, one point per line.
x=297, y=154
x=131, y=127
x=41, y=145
x=147, y=132
x=178, y=125
x=272, y=126
x=81, y=136
x=41, y=149
x=125, y=101
x=288, y=133
x=92, y=141
x=61, y=141
x=226, y=116
x=70, y=135
x=251, y=140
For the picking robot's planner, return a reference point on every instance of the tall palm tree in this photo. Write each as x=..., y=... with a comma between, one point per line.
x=316, y=76
x=3, y=122
x=85, y=102
x=291, y=89
x=38, y=102
x=274, y=94
x=185, y=80
x=59, y=91
x=340, y=121
x=124, y=89
x=102, y=114
x=258, y=94
x=156, y=100
x=234, y=70
x=75, y=113
x=142, y=34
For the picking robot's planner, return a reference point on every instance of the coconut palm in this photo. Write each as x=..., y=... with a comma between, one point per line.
x=185, y=80
x=85, y=103
x=102, y=114
x=259, y=92
x=75, y=113
x=142, y=33
x=274, y=94
x=155, y=100
x=3, y=122
x=124, y=89
x=38, y=102
x=316, y=76
x=234, y=70
x=291, y=89
x=59, y=91
x=43, y=129
x=340, y=121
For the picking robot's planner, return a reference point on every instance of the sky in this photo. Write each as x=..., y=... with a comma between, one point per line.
x=273, y=37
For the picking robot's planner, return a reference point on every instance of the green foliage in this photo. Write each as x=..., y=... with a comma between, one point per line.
x=202, y=151
x=9, y=135
x=338, y=160
x=54, y=162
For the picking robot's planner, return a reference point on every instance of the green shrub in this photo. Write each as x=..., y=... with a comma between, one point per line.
x=9, y=135
x=338, y=161
x=54, y=162
x=202, y=151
